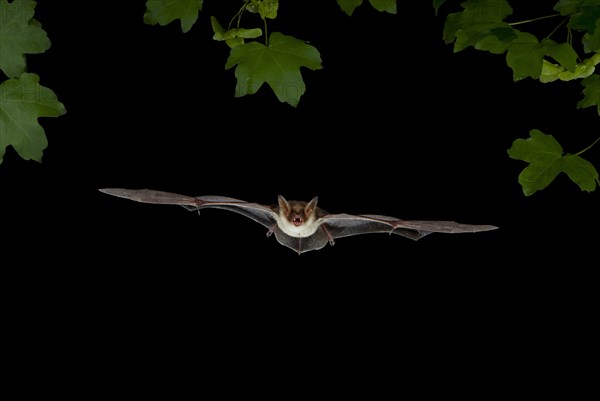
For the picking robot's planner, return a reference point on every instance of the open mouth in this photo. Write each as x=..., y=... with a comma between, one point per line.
x=297, y=221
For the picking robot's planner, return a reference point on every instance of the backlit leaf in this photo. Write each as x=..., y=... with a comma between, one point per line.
x=551, y=72
x=233, y=37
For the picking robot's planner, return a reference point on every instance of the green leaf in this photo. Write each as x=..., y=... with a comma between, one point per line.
x=20, y=34
x=278, y=65
x=389, y=6
x=564, y=54
x=498, y=40
x=267, y=8
x=437, y=4
x=591, y=40
x=233, y=37
x=546, y=160
x=348, y=6
x=584, y=16
x=526, y=55
x=534, y=178
x=22, y=102
x=580, y=171
x=539, y=149
x=551, y=72
x=164, y=12
x=568, y=7
x=591, y=92
x=475, y=22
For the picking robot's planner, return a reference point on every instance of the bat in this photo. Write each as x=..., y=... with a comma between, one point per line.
x=301, y=226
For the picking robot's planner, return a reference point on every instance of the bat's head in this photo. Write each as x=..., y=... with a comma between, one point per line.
x=297, y=213
x=298, y=219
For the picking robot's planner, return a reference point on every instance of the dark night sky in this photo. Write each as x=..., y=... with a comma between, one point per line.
x=395, y=124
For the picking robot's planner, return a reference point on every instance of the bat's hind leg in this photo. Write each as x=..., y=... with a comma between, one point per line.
x=329, y=236
x=271, y=230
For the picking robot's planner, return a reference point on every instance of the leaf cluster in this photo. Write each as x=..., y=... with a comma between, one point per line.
x=276, y=61
x=258, y=57
x=22, y=99
x=484, y=25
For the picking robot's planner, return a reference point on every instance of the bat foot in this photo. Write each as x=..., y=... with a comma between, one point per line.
x=329, y=236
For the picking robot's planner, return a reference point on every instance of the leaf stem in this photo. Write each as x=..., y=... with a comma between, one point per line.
x=238, y=15
x=266, y=33
x=533, y=20
x=589, y=147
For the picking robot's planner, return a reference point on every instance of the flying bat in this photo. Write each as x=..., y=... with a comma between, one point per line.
x=302, y=226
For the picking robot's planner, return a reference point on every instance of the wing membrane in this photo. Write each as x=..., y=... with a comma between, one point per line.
x=344, y=225
x=259, y=213
x=316, y=241
x=331, y=226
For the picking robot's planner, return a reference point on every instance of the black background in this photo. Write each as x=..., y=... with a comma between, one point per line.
x=395, y=124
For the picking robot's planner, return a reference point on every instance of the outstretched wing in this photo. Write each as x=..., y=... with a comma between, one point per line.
x=260, y=213
x=345, y=225
x=331, y=226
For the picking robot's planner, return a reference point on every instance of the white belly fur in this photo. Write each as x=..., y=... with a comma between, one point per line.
x=305, y=230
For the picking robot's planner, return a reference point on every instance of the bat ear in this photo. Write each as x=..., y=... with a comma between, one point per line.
x=284, y=205
x=311, y=206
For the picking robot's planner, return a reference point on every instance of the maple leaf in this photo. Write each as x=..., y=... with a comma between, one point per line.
x=19, y=35
x=546, y=160
x=526, y=54
x=22, y=101
x=278, y=65
x=475, y=22
x=164, y=12
x=348, y=6
x=591, y=92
